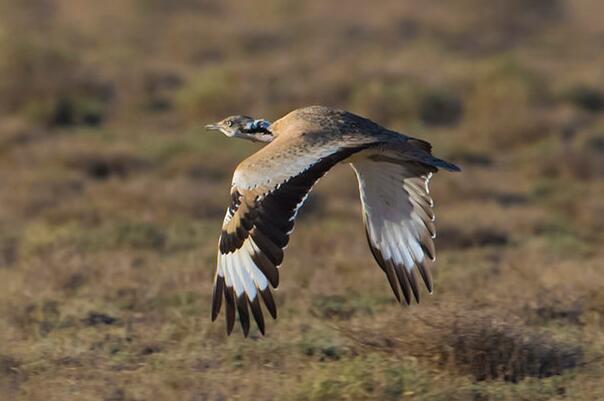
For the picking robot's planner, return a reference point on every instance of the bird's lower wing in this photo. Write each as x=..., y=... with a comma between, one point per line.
x=399, y=222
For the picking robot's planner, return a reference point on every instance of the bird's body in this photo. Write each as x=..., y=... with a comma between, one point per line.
x=269, y=187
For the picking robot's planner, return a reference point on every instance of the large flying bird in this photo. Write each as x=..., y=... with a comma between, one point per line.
x=269, y=187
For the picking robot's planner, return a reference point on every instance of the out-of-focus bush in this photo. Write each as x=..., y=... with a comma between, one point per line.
x=209, y=94
x=440, y=107
x=46, y=84
x=482, y=346
x=167, y=7
x=387, y=100
x=503, y=105
x=586, y=98
x=490, y=349
x=578, y=161
x=478, y=27
x=406, y=100
x=159, y=88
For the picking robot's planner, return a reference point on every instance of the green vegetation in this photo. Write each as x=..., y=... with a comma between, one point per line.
x=112, y=196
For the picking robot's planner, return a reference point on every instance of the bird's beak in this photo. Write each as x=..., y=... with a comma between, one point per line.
x=212, y=127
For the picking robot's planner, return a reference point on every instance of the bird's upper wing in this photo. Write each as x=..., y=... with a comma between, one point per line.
x=267, y=191
x=397, y=211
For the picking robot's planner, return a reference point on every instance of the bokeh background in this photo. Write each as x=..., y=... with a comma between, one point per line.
x=112, y=197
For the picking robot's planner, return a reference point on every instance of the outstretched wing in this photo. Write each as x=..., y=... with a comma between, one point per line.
x=399, y=222
x=268, y=189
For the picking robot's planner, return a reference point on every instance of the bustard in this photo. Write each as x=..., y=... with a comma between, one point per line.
x=269, y=187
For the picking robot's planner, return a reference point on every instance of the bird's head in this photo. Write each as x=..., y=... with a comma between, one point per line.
x=244, y=127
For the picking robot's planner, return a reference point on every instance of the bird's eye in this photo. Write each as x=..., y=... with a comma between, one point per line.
x=229, y=123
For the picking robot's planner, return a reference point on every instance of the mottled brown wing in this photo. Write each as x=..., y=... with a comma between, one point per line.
x=256, y=229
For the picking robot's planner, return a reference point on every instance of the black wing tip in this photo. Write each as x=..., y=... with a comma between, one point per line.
x=244, y=315
x=238, y=305
x=394, y=286
x=387, y=267
x=398, y=276
x=217, y=295
x=426, y=274
x=269, y=301
x=230, y=309
x=402, y=280
x=412, y=279
x=257, y=313
x=429, y=249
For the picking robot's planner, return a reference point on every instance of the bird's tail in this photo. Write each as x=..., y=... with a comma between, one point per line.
x=424, y=154
x=445, y=165
x=419, y=151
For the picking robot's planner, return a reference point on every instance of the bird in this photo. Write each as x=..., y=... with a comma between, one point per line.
x=269, y=187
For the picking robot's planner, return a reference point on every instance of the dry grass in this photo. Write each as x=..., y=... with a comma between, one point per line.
x=483, y=346
x=111, y=198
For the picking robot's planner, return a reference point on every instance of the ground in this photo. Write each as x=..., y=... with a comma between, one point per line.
x=112, y=196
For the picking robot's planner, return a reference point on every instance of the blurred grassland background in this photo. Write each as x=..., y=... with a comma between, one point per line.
x=112, y=197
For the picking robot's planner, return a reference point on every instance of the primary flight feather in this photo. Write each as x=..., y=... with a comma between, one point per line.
x=269, y=187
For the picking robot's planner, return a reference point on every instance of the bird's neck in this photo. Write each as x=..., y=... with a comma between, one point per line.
x=264, y=137
x=259, y=131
